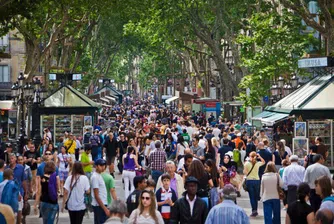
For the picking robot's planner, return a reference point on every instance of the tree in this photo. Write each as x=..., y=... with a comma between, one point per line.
x=271, y=47
x=326, y=13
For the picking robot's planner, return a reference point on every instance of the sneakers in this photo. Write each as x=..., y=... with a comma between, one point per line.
x=254, y=214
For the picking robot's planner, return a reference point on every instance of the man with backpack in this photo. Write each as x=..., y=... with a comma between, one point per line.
x=94, y=141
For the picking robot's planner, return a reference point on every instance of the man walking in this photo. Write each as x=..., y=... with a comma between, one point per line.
x=157, y=160
x=227, y=211
x=110, y=148
x=292, y=176
x=266, y=155
x=190, y=208
x=311, y=175
x=99, y=193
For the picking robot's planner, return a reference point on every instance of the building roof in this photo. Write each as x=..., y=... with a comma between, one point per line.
x=67, y=96
x=113, y=91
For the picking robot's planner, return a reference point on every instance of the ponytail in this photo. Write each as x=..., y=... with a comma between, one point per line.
x=130, y=149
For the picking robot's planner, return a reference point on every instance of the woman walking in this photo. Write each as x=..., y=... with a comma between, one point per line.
x=279, y=155
x=251, y=171
x=75, y=188
x=129, y=165
x=181, y=146
x=270, y=183
x=64, y=160
x=147, y=212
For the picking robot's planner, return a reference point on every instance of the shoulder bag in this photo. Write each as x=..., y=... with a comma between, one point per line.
x=71, y=192
x=244, y=186
x=280, y=192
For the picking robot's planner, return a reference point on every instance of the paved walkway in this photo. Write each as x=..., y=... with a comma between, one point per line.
x=64, y=218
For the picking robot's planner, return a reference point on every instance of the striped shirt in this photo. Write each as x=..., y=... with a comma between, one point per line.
x=158, y=159
x=227, y=212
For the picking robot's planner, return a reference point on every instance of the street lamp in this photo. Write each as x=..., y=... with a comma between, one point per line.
x=280, y=82
x=39, y=95
x=294, y=81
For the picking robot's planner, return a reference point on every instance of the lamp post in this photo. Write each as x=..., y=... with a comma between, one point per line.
x=280, y=88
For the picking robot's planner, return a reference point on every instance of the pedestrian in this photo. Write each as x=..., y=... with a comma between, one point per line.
x=130, y=163
x=63, y=164
x=121, y=149
x=47, y=193
x=227, y=211
x=293, y=175
x=285, y=164
x=270, y=183
x=99, y=193
x=266, y=155
x=189, y=208
x=311, y=175
x=210, y=152
x=324, y=216
x=287, y=149
x=181, y=146
x=78, y=147
x=147, y=212
x=31, y=159
x=5, y=155
x=70, y=146
x=323, y=188
x=75, y=188
x=299, y=212
x=110, y=148
x=279, y=155
x=211, y=168
x=251, y=171
x=166, y=197
x=309, y=158
x=132, y=201
x=223, y=150
x=117, y=211
x=9, y=191
x=86, y=162
x=157, y=161
x=94, y=141
x=110, y=185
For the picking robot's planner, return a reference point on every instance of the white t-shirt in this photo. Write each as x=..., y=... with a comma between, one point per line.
x=190, y=131
x=97, y=182
x=182, y=148
x=202, y=143
x=62, y=159
x=77, y=200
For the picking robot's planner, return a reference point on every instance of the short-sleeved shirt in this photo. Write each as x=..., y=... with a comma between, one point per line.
x=34, y=155
x=40, y=170
x=298, y=212
x=110, y=184
x=19, y=176
x=97, y=182
x=63, y=160
x=85, y=159
x=76, y=201
x=254, y=175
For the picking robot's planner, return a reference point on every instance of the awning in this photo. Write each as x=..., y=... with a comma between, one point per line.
x=168, y=101
x=270, y=118
x=105, y=105
x=104, y=99
x=110, y=98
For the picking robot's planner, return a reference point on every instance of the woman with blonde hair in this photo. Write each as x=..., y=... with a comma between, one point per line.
x=270, y=184
x=147, y=212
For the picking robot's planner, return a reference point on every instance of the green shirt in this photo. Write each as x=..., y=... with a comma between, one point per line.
x=109, y=181
x=85, y=159
x=186, y=137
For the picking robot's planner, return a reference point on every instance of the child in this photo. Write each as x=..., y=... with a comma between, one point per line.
x=166, y=197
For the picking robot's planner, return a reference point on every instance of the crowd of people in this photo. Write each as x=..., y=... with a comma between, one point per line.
x=176, y=167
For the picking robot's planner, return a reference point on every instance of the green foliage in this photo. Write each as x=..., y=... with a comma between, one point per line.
x=270, y=48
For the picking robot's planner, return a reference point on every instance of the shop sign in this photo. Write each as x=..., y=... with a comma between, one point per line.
x=313, y=62
x=210, y=104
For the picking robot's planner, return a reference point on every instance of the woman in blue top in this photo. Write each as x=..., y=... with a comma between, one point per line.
x=279, y=155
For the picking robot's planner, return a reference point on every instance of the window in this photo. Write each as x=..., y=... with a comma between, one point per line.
x=4, y=73
x=4, y=41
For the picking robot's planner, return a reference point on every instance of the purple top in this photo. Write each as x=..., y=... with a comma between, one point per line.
x=130, y=165
x=173, y=185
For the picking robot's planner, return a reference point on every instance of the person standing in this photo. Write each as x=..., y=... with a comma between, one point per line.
x=251, y=170
x=117, y=211
x=311, y=174
x=110, y=148
x=86, y=162
x=157, y=161
x=270, y=183
x=110, y=185
x=147, y=212
x=323, y=188
x=227, y=211
x=99, y=193
x=78, y=147
x=63, y=163
x=94, y=141
x=121, y=149
x=132, y=201
x=31, y=158
x=130, y=163
x=9, y=191
x=189, y=208
x=70, y=146
x=299, y=212
x=293, y=176
x=266, y=155
x=86, y=137
x=76, y=186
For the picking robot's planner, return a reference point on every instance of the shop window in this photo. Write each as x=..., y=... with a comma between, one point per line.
x=4, y=73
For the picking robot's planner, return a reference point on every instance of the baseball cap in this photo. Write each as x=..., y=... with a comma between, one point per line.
x=100, y=162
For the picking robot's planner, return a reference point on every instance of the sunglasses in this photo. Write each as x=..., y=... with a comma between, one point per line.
x=145, y=198
x=48, y=154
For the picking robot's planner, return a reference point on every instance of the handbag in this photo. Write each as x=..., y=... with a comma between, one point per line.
x=71, y=192
x=280, y=192
x=244, y=186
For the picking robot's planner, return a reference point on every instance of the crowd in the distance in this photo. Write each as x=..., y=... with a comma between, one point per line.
x=176, y=167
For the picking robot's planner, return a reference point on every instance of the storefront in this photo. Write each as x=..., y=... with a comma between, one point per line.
x=311, y=104
x=67, y=110
x=7, y=119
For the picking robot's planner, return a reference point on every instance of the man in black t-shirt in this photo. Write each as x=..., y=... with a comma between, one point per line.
x=31, y=158
x=110, y=148
x=132, y=201
x=121, y=149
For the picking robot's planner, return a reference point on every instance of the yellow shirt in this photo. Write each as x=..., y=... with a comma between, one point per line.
x=254, y=175
x=70, y=146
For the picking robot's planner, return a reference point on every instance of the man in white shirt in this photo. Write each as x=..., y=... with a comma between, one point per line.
x=216, y=131
x=99, y=193
x=287, y=149
x=202, y=142
x=292, y=176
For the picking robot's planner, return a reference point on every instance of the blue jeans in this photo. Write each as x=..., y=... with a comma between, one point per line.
x=156, y=174
x=99, y=215
x=272, y=211
x=48, y=212
x=99, y=152
x=95, y=152
x=253, y=187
